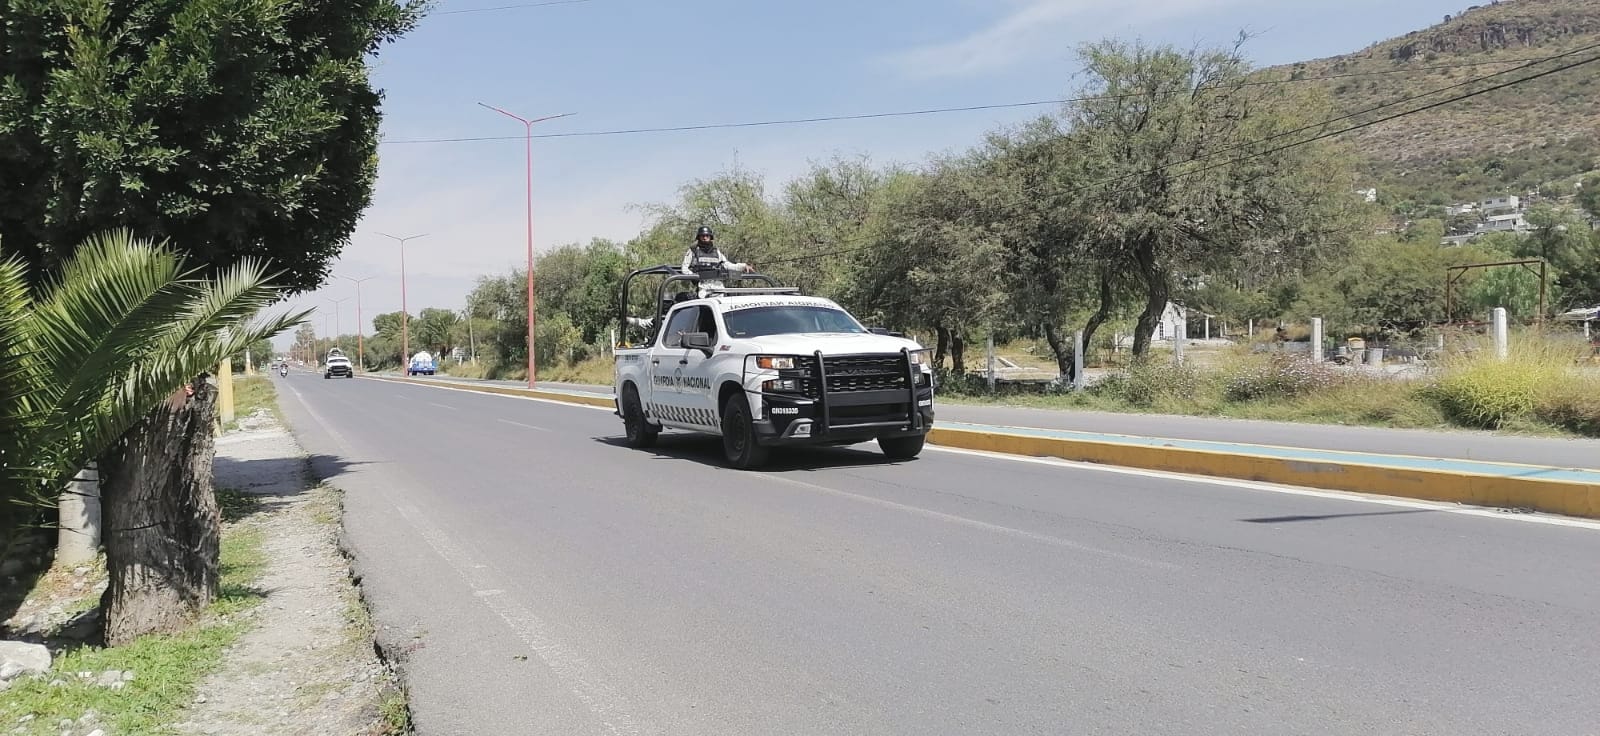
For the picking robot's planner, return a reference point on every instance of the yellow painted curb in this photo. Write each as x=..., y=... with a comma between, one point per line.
x=508, y=391
x=1551, y=496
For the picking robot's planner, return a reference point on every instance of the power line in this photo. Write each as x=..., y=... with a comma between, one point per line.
x=1288, y=146
x=946, y=110
x=1358, y=113
x=509, y=7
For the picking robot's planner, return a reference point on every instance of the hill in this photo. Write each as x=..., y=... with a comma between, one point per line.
x=1511, y=140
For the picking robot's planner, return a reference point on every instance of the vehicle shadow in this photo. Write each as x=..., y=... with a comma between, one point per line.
x=1330, y=517
x=707, y=450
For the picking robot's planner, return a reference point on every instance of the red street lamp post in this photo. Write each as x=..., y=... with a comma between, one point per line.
x=405, y=314
x=527, y=126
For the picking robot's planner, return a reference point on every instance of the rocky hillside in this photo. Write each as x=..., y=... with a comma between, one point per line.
x=1513, y=139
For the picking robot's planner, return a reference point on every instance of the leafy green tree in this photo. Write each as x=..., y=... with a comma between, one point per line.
x=431, y=330
x=1188, y=173
x=234, y=129
x=123, y=329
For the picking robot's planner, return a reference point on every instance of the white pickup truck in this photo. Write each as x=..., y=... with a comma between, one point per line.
x=765, y=367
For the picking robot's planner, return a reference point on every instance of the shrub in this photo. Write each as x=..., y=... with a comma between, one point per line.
x=1480, y=390
x=1148, y=383
x=1279, y=377
x=1574, y=407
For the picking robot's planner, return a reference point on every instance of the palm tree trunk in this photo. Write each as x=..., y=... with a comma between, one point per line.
x=161, y=521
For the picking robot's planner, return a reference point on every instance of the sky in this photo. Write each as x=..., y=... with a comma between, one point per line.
x=622, y=64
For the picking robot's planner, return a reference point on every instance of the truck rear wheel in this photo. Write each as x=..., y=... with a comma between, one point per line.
x=640, y=433
x=902, y=448
x=739, y=435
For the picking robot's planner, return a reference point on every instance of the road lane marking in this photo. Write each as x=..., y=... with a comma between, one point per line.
x=573, y=670
x=585, y=680
x=524, y=426
x=435, y=386
x=443, y=406
x=976, y=524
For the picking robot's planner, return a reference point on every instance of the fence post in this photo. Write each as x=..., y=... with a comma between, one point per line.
x=1316, y=339
x=1177, y=347
x=989, y=349
x=1078, y=381
x=1502, y=347
x=78, y=539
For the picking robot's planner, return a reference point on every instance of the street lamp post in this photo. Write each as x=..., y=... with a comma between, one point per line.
x=337, y=327
x=361, y=329
x=527, y=126
x=405, y=315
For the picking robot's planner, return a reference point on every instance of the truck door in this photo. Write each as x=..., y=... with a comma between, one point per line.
x=695, y=390
x=667, y=362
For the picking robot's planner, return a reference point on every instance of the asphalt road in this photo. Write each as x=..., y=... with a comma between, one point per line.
x=539, y=578
x=1458, y=445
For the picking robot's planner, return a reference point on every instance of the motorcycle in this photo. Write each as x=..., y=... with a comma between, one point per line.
x=283, y=370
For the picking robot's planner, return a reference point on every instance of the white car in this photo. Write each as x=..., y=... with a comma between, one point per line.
x=338, y=365
x=768, y=367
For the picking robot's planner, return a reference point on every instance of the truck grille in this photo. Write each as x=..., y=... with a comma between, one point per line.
x=849, y=373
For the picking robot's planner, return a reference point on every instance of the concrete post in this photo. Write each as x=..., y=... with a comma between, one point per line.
x=78, y=540
x=1251, y=328
x=1502, y=346
x=249, y=367
x=1078, y=381
x=225, y=390
x=1316, y=339
x=1208, y=327
x=1177, y=347
x=989, y=349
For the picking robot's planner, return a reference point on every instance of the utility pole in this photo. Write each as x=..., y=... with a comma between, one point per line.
x=405, y=315
x=527, y=126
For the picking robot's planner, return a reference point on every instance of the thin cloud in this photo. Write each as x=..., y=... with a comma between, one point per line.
x=1035, y=28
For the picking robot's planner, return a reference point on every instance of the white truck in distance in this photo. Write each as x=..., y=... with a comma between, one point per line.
x=766, y=367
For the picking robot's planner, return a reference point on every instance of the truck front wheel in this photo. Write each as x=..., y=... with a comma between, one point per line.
x=739, y=435
x=902, y=448
x=640, y=433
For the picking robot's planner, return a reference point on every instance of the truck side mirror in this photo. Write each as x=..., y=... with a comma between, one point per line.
x=697, y=341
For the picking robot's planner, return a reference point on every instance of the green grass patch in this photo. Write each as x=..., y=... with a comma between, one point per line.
x=167, y=668
x=252, y=394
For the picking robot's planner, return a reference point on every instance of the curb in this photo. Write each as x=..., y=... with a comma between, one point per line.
x=1570, y=498
x=1476, y=489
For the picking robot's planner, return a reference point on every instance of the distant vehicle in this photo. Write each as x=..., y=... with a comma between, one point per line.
x=421, y=364
x=337, y=365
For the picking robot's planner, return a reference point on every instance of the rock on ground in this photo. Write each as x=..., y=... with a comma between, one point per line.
x=19, y=658
x=306, y=664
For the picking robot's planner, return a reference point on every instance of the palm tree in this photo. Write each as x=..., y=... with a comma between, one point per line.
x=96, y=367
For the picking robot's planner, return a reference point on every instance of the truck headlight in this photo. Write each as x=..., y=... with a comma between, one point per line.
x=775, y=362
x=922, y=358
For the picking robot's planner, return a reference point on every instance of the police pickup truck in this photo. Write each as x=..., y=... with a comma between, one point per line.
x=763, y=367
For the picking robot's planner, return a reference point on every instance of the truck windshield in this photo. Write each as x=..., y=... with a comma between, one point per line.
x=760, y=321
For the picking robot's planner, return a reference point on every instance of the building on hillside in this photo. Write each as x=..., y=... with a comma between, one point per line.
x=1501, y=205
x=1457, y=210
x=1455, y=240
x=1510, y=223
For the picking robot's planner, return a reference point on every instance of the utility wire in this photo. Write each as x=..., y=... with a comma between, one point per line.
x=1285, y=147
x=968, y=108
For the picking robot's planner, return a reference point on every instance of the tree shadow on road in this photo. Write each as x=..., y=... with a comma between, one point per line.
x=707, y=450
